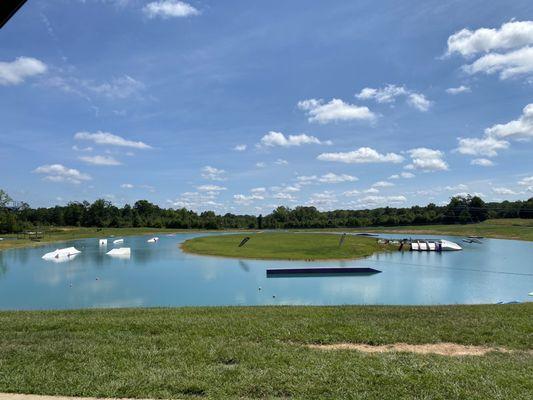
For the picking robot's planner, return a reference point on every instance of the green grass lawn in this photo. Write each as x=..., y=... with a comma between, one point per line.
x=260, y=352
x=285, y=246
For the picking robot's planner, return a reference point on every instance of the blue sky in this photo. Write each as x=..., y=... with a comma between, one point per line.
x=241, y=106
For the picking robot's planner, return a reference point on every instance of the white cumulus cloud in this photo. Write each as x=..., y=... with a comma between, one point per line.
x=100, y=160
x=495, y=137
x=246, y=199
x=485, y=146
x=213, y=174
x=427, y=160
x=372, y=201
x=210, y=188
x=334, y=110
x=510, y=35
x=482, y=162
x=118, y=88
x=326, y=178
x=336, y=178
x=169, y=9
x=240, y=147
x=521, y=128
x=503, y=190
x=60, y=173
x=458, y=89
x=389, y=93
x=405, y=175
x=418, y=101
x=272, y=139
x=361, y=156
x=526, y=181
x=106, y=138
x=506, y=51
x=382, y=184
x=508, y=65
x=15, y=72
x=351, y=193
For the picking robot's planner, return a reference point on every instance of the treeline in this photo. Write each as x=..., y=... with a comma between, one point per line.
x=102, y=213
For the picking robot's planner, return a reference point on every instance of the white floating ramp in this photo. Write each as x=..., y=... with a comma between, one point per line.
x=65, y=253
x=153, y=240
x=118, y=241
x=447, y=245
x=102, y=242
x=120, y=252
x=432, y=245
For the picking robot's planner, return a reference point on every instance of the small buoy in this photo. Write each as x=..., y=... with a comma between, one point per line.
x=273, y=296
x=259, y=288
x=97, y=278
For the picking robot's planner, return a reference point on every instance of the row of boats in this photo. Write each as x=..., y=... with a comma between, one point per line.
x=67, y=253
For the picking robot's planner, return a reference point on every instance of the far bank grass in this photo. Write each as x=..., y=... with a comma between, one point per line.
x=509, y=228
x=285, y=246
x=61, y=234
x=263, y=353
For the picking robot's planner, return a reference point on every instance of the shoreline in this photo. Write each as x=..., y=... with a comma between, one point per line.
x=481, y=229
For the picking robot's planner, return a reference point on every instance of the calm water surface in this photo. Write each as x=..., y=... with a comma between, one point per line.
x=162, y=275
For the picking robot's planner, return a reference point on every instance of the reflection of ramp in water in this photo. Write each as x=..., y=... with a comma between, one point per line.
x=326, y=271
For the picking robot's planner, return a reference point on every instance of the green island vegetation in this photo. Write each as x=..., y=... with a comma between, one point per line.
x=286, y=246
x=262, y=352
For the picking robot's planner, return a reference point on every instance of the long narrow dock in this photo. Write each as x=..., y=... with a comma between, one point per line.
x=319, y=271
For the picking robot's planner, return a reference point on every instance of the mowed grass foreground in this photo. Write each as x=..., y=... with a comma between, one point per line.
x=285, y=246
x=261, y=352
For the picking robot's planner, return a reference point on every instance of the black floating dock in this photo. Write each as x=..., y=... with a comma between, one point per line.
x=331, y=271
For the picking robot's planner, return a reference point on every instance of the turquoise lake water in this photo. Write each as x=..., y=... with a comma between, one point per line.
x=161, y=274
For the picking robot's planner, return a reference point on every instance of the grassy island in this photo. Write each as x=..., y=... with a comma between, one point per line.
x=285, y=246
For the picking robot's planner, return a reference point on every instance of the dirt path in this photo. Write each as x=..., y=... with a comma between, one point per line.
x=444, y=349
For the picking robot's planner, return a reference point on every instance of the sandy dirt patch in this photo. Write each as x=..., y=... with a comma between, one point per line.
x=15, y=396
x=444, y=349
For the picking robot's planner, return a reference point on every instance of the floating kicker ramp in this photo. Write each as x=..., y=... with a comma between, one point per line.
x=325, y=271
